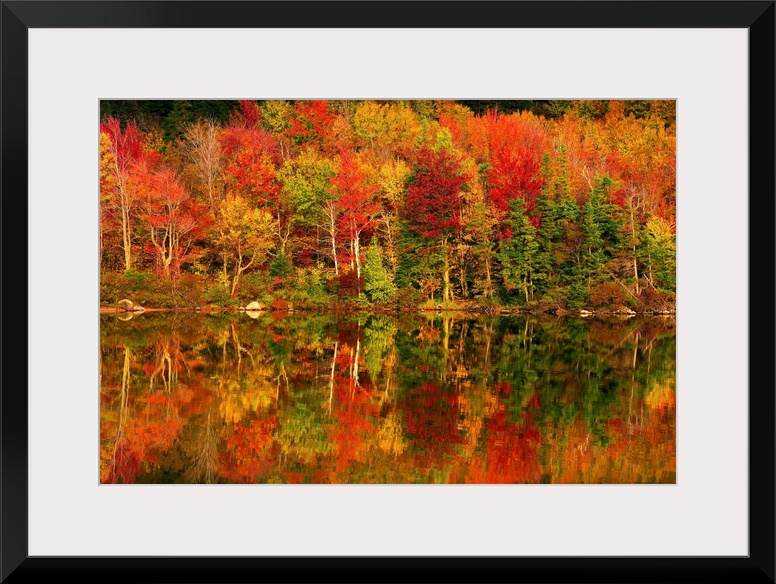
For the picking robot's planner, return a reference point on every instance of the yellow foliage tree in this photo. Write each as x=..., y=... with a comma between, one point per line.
x=245, y=234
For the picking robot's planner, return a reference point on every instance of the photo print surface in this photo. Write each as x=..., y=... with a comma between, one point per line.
x=387, y=292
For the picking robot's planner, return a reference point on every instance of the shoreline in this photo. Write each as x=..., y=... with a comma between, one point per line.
x=485, y=310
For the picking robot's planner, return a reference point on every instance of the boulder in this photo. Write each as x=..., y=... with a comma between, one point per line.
x=125, y=304
x=254, y=313
x=255, y=306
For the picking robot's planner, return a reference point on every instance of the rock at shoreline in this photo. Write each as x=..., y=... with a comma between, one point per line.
x=255, y=306
x=125, y=304
x=137, y=308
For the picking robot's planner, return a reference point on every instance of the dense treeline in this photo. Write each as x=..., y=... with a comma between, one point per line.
x=544, y=204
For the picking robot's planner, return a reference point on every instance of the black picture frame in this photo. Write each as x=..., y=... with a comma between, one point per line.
x=19, y=16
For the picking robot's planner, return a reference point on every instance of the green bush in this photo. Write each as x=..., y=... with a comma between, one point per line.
x=281, y=267
x=576, y=296
x=251, y=287
x=311, y=287
x=378, y=280
x=142, y=288
x=217, y=295
x=409, y=297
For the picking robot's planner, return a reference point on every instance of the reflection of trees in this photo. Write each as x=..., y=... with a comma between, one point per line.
x=246, y=390
x=148, y=421
x=374, y=398
x=152, y=397
x=331, y=376
x=204, y=457
x=114, y=464
x=165, y=369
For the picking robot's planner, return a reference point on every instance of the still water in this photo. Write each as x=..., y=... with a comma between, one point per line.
x=281, y=397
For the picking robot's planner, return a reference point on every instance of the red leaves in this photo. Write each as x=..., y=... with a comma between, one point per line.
x=354, y=202
x=311, y=122
x=127, y=145
x=250, y=112
x=350, y=434
x=174, y=219
x=279, y=304
x=432, y=421
x=253, y=159
x=247, y=447
x=511, y=453
x=354, y=194
x=503, y=387
x=157, y=398
x=516, y=149
x=433, y=205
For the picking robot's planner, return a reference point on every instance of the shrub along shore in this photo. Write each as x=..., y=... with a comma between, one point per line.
x=142, y=292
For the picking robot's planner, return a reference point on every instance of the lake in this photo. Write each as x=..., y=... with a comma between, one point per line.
x=278, y=397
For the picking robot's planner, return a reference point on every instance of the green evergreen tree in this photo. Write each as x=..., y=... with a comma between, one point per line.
x=602, y=225
x=517, y=254
x=558, y=235
x=180, y=115
x=281, y=267
x=378, y=282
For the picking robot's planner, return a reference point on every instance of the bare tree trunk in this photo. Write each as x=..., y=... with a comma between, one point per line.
x=331, y=377
x=354, y=370
x=123, y=408
x=446, y=274
x=462, y=269
x=332, y=227
x=125, y=232
x=205, y=152
x=488, y=282
x=235, y=280
x=633, y=241
x=446, y=325
x=283, y=233
x=238, y=269
x=357, y=253
x=525, y=288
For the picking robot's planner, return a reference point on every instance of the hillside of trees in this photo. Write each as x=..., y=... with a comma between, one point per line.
x=536, y=205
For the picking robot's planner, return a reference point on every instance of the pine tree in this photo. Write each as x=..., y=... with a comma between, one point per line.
x=558, y=234
x=378, y=282
x=601, y=231
x=517, y=253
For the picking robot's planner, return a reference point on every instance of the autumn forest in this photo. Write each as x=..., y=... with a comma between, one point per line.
x=551, y=206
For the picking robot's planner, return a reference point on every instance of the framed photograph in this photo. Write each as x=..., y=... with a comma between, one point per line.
x=388, y=291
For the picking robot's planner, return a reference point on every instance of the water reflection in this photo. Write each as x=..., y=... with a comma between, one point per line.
x=360, y=398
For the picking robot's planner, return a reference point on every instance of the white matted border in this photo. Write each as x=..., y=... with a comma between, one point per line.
x=704, y=514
